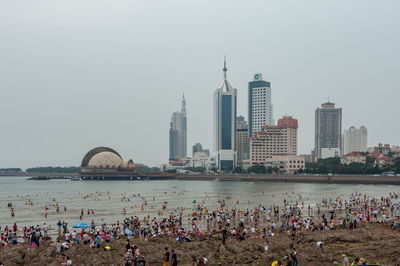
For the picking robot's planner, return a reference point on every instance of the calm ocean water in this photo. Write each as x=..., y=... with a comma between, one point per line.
x=108, y=198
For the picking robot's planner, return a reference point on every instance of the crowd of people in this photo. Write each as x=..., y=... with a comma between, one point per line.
x=293, y=217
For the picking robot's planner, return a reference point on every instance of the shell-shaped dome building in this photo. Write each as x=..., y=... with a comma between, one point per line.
x=103, y=159
x=102, y=163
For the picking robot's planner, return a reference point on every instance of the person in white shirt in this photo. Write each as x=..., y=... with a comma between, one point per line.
x=74, y=236
x=67, y=236
x=45, y=227
x=345, y=260
x=85, y=238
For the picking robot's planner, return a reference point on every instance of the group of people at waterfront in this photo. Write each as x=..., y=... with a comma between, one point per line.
x=259, y=222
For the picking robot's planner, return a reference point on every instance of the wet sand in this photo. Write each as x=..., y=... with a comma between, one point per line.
x=377, y=243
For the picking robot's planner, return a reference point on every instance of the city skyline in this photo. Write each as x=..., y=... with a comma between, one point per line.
x=108, y=80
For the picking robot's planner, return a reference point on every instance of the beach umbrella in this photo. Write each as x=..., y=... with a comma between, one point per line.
x=81, y=225
x=375, y=212
x=128, y=232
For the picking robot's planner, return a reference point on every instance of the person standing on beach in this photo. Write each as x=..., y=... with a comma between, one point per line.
x=224, y=232
x=69, y=261
x=166, y=257
x=174, y=258
x=345, y=260
x=59, y=224
x=293, y=255
x=128, y=258
x=38, y=235
x=45, y=228
x=67, y=237
x=98, y=241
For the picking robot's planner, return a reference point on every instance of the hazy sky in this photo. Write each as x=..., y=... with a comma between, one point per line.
x=79, y=74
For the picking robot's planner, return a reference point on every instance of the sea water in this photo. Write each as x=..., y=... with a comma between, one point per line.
x=109, y=198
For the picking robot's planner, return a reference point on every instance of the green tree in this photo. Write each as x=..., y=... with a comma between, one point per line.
x=257, y=169
x=238, y=170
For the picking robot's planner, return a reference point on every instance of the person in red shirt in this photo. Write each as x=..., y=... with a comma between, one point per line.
x=82, y=233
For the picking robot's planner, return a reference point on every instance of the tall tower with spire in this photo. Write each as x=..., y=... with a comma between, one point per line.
x=225, y=101
x=178, y=134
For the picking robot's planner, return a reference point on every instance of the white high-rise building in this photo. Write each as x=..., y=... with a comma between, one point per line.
x=355, y=140
x=260, y=106
x=225, y=124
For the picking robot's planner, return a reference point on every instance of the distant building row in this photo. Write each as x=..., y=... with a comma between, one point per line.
x=260, y=141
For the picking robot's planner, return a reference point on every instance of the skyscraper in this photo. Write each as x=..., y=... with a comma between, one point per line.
x=242, y=139
x=178, y=134
x=355, y=140
x=260, y=106
x=225, y=124
x=328, y=131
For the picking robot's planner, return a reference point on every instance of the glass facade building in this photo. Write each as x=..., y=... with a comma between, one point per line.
x=226, y=122
x=225, y=125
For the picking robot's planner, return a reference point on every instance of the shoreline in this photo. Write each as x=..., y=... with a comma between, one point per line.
x=324, y=179
x=320, y=179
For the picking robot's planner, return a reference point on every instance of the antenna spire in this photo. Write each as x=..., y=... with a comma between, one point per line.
x=183, y=109
x=225, y=69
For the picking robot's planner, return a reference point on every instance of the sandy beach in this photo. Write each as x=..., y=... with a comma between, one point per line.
x=375, y=242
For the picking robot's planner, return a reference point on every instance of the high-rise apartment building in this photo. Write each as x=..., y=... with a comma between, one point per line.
x=225, y=124
x=328, y=131
x=260, y=106
x=274, y=141
x=355, y=139
x=178, y=134
x=242, y=139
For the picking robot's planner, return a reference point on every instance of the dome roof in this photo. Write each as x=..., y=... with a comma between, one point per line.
x=105, y=159
x=94, y=152
x=127, y=164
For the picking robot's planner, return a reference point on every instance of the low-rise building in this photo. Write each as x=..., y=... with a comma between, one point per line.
x=380, y=159
x=201, y=159
x=382, y=148
x=329, y=152
x=286, y=163
x=353, y=157
x=274, y=140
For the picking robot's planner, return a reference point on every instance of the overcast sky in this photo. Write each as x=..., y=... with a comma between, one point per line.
x=79, y=74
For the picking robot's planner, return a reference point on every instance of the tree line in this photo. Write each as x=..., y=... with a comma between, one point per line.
x=333, y=166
